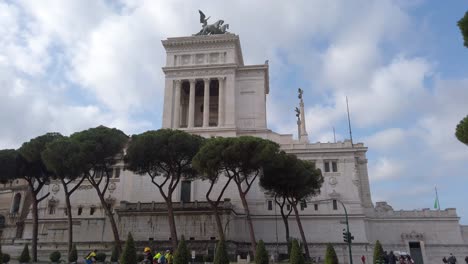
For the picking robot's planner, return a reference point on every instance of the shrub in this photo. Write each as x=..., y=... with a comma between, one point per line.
x=296, y=256
x=101, y=257
x=73, y=256
x=115, y=255
x=330, y=255
x=55, y=256
x=208, y=258
x=182, y=254
x=261, y=255
x=129, y=255
x=5, y=257
x=25, y=257
x=378, y=253
x=221, y=256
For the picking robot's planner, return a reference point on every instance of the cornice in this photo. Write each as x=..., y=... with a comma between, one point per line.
x=174, y=44
x=209, y=39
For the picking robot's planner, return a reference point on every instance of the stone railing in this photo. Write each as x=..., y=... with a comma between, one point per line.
x=449, y=212
x=177, y=206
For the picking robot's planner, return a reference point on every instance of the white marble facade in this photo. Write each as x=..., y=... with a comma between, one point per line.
x=209, y=70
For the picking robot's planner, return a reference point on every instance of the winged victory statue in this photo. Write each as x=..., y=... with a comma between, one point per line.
x=211, y=29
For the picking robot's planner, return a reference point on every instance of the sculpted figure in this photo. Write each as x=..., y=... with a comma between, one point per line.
x=211, y=29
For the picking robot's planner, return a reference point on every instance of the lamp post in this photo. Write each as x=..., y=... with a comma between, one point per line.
x=348, y=234
x=348, y=237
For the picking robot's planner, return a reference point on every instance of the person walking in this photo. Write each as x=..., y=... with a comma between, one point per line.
x=452, y=259
x=148, y=259
x=168, y=257
x=91, y=257
x=391, y=258
x=466, y=259
x=363, y=259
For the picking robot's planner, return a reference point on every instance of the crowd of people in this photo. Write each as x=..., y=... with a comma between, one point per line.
x=158, y=258
x=391, y=258
x=452, y=259
x=149, y=258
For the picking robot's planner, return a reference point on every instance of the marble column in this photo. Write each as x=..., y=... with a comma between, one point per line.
x=206, y=103
x=221, y=102
x=177, y=104
x=191, y=112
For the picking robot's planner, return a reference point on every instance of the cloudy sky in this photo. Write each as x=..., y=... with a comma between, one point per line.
x=70, y=65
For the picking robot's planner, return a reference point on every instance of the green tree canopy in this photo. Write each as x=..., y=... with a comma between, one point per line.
x=100, y=148
x=461, y=132
x=378, y=253
x=182, y=254
x=129, y=255
x=296, y=256
x=261, y=256
x=293, y=179
x=243, y=159
x=209, y=162
x=221, y=255
x=9, y=165
x=63, y=157
x=24, y=257
x=330, y=255
x=463, y=25
x=164, y=155
x=33, y=169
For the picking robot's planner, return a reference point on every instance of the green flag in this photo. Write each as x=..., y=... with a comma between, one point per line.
x=436, y=202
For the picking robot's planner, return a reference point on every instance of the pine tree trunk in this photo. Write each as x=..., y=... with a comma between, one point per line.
x=70, y=222
x=286, y=229
x=253, y=242
x=218, y=222
x=109, y=214
x=172, y=226
x=35, y=216
x=301, y=230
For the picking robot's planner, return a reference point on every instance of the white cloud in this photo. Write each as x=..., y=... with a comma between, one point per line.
x=388, y=139
x=386, y=169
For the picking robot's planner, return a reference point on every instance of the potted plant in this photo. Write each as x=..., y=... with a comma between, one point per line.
x=5, y=258
x=101, y=257
x=55, y=257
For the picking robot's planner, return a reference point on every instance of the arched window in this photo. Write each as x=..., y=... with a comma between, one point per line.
x=16, y=203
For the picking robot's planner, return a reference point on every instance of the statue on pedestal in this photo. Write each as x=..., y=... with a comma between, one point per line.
x=211, y=29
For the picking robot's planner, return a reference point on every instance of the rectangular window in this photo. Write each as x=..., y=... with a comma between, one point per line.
x=303, y=205
x=110, y=172
x=66, y=212
x=117, y=173
x=185, y=190
x=270, y=205
x=316, y=207
x=334, y=166
x=51, y=209
x=335, y=205
x=80, y=210
x=288, y=207
x=92, y=210
x=327, y=166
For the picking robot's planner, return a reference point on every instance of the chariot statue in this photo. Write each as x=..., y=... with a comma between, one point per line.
x=211, y=29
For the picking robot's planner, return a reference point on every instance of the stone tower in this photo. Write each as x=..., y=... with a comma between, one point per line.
x=209, y=71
